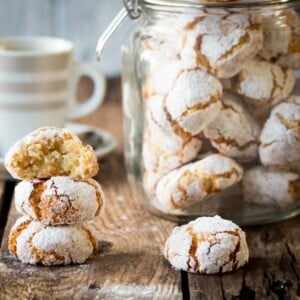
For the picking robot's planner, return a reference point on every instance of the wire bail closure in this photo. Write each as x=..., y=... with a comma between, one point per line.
x=132, y=9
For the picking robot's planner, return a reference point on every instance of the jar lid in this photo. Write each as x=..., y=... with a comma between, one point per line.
x=219, y=3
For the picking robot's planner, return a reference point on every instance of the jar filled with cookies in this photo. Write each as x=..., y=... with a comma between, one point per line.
x=211, y=107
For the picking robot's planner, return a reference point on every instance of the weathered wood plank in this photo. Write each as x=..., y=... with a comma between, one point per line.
x=273, y=270
x=129, y=265
x=2, y=217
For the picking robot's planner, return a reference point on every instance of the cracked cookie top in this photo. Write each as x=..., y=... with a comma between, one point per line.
x=35, y=243
x=222, y=44
x=280, y=137
x=207, y=245
x=196, y=181
x=234, y=132
x=59, y=200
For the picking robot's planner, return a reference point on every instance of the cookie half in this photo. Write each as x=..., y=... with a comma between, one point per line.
x=48, y=152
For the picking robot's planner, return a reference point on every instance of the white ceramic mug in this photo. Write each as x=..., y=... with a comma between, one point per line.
x=38, y=83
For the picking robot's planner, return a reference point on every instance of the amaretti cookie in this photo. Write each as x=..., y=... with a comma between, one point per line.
x=207, y=245
x=234, y=132
x=280, y=137
x=59, y=200
x=49, y=152
x=221, y=44
x=263, y=82
x=158, y=159
x=196, y=181
x=162, y=78
x=190, y=105
x=282, y=38
x=161, y=41
x=35, y=243
x=271, y=186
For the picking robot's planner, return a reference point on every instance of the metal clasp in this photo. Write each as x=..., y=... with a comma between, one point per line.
x=131, y=9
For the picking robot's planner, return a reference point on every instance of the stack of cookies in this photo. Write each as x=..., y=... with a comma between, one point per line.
x=57, y=198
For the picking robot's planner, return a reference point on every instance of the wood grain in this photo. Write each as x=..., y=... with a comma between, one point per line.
x=129, y=265
x=273, y=271
x=2, y=216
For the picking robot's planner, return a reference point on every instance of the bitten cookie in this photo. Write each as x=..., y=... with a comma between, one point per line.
x=270, y=186
x=48, y=152
x=282, y=38
x=234, y=132
x=194, y=182
x=207, y=245
x=35, y=243
x=263, y=82
x=59, y=200
x=280, y=137
x=222, y=44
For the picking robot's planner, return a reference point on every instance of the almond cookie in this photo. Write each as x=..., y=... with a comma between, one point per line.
x=59, y=200
x=207, y=245
x=161, y=41
x=35, y=243
x=159, y=160
x=162, y=78
x=263, y=82
x=282, y=38
x=222, y=44
x=280, y=137
x=234, y=132
x=190, y=105
x=48, y=152
x=194, y=182
x=271, y=186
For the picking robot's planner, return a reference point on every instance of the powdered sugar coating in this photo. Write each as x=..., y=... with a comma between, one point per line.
x=194, y=101
x=59, y=200
x=161, y=41
x=159, y=160
x=282, y=38
x=207, y=245
x=234, y=132
x=196, y=181
x=280, y=137
x=264, y=82
x=271, y=186
x=150, y=180
x=35, y=243
x=190, y=105
x=222, y=44
x=162, y=78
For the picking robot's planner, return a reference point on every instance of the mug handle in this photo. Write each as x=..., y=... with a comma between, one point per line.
x=77, y=109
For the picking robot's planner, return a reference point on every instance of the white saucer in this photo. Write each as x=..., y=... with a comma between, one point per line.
x=101, y=140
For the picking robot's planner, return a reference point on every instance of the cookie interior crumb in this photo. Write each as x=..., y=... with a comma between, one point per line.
x=44, y=158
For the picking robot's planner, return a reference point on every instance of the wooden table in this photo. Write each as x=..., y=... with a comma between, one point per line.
x=130, y=264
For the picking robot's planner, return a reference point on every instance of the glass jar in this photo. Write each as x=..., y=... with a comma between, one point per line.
x=211, y=112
